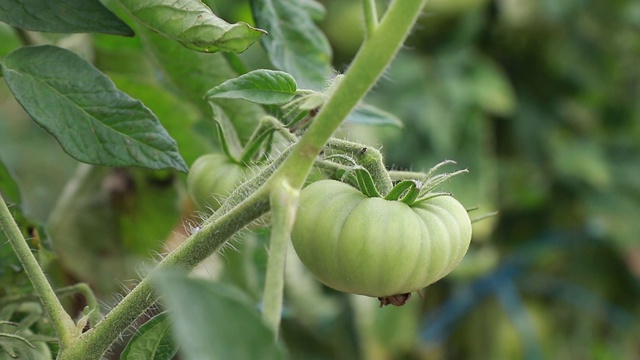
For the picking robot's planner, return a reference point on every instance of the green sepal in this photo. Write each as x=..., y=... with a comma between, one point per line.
x=229, y=140
x=297, y=118
x=261, y=139
x=365, y=182
x=431, y=196
x=405, y=191
x=435, y=181
x=311, y=99
x=399, y=189
x=483, y=216
x=304, y=108
x=256, y=144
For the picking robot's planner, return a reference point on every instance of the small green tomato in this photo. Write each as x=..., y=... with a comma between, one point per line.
x=212, y=177
x=376, y=247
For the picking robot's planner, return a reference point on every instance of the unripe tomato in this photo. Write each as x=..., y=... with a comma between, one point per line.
x=212, y=177
x=377, y=247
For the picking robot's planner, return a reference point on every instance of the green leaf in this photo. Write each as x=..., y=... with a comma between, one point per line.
x=315, y=10
x=178, y=117
x=193, y=24
x=371, y=115
x=295, y=44
x=260, y=143
x=152, y=341
x=70, y=16
x=193, y=73
x=267, y=87
x=92, y=120
x=215, y=321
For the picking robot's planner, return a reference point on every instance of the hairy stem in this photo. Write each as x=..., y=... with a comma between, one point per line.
x=93, y=343
x=369, y=158
x=373, y=57
x=371, y=60
x=60, y=320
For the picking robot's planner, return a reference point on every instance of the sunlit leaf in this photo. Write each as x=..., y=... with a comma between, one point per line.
x=193, y=24
x=92, y=120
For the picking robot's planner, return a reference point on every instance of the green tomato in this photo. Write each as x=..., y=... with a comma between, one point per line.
x=211, y=178
x=376, y=247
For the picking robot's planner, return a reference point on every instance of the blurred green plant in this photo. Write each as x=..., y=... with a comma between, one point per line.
x=537, y=99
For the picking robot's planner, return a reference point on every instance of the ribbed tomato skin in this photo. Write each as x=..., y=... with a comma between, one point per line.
x=210, y=178
x=377, y=247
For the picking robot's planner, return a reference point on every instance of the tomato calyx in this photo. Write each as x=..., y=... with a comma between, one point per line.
x=410, y=191
x=396, y=300
x=406, y=191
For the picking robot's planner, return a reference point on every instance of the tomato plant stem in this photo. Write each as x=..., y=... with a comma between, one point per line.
x=61, y=321
x=284, y=202
x=375, y=54
x=370, y=16
x=373, y=57
x=197, y=247
x=369, y=158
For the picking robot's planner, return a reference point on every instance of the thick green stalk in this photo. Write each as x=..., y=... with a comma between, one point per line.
x=61, y=321
x=374, y=56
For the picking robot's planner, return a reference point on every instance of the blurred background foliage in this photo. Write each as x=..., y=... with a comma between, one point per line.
x=540, y=100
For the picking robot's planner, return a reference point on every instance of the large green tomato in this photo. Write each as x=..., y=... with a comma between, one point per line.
x=211, y=178
x=377, y=247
